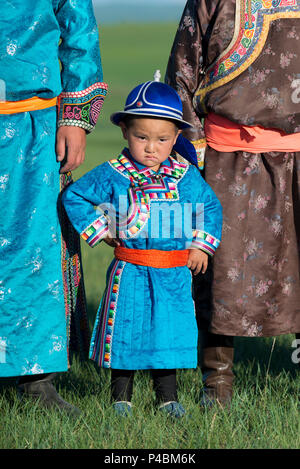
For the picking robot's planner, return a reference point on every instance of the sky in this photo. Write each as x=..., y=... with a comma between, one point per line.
x=137, y=11
x=105, y=2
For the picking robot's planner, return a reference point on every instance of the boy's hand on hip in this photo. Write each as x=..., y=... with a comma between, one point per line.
x=70, y=146
x=113, y=242
x=197, y=261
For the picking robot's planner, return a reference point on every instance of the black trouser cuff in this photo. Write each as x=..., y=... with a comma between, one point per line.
x=164, y=384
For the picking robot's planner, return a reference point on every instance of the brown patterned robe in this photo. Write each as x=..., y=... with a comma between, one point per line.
x=248, y=72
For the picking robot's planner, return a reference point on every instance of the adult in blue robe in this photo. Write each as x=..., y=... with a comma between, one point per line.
x=48, y=49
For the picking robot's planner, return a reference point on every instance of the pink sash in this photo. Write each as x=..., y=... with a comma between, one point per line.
x=226, y=136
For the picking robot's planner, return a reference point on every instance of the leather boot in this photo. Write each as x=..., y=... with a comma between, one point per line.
x=40, y=388
x=298, y=338
x=217, y=376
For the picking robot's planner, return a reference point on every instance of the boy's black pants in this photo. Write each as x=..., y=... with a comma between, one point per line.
x=164, y=383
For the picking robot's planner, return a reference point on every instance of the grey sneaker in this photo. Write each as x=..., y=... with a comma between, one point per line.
x=173, y=409
x=123, y=408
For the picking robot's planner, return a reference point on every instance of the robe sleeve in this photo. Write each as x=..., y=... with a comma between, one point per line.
x=186, y=66
x=86, y=202
x=83, y=90
x=207, y=217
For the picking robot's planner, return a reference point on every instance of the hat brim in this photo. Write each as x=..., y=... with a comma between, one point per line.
x=117, y=117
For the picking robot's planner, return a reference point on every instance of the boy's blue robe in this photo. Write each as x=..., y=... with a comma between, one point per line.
x=48, y=48
x=146, y=319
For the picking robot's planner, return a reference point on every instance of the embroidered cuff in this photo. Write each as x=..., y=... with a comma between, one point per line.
x=205, y=242
x=95, y=232
x=81, y=108
x=200, y=146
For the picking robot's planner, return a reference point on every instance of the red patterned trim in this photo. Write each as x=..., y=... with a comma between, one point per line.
x=79, y=94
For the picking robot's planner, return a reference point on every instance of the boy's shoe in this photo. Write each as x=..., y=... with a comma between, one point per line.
x=123, y=408
x=173, y=409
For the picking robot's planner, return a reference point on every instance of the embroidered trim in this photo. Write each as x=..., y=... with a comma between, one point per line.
x=138, y=214
x=204, y=241
x=124, y=165
x=247, y=43
x=146, y=186
x=101, y=343
x=73, y=286
x=82, y=93
x=199, y=143
x=96, y=231
x=81, y=108
x=200, y=147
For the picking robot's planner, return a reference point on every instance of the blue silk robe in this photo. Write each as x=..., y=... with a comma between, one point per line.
x=39, y=269
x=146, y=319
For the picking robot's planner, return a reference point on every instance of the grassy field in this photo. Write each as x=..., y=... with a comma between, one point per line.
x=264, y=413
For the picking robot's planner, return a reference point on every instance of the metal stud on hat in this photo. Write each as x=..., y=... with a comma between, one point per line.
x=157, y=75
x=153, y=99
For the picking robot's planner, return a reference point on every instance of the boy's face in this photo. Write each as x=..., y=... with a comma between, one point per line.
x=150, y=141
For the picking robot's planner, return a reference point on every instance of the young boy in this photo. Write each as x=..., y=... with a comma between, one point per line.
x=163, y=220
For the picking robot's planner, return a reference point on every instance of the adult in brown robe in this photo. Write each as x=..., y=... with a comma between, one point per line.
x=240, y=60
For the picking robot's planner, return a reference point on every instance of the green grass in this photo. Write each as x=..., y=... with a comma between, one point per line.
x=264, y=412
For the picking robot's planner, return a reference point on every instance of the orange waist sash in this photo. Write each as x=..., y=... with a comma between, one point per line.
x=224, y=135
x=31, y=104
x=152, y=257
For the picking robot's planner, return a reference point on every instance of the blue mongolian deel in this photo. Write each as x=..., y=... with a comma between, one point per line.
x=143, y=321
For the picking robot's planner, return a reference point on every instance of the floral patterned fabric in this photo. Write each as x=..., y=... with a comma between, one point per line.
x=263, y=92
x=50, y=48
x=240, y=59
x=256, y=287
x=33, y=328
x=40, y=275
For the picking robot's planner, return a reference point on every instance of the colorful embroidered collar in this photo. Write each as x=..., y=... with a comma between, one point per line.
x=125, y=163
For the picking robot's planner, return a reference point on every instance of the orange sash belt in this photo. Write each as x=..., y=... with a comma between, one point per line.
x=226, y=136
x=31, y=104
x=152, y=257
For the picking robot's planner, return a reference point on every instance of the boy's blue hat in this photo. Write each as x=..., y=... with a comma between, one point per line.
x=153, y=99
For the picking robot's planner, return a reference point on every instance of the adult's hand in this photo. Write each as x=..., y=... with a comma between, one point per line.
x=70, y=146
